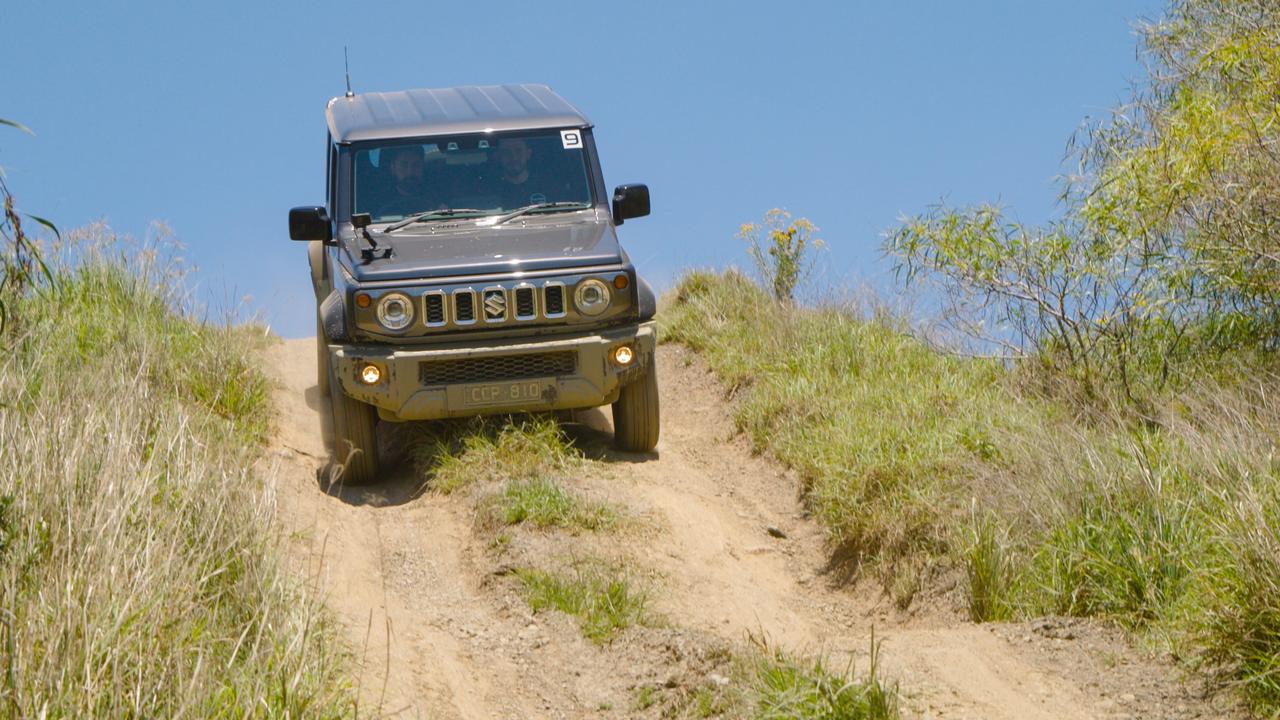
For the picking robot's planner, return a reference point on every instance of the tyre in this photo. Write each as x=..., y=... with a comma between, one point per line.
x=355, y=439
x=635, y=413
x=322, y=359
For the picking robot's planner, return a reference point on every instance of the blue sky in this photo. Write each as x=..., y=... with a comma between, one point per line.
x=210, y=116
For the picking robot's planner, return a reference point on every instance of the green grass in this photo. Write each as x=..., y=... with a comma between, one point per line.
x=1049, y=501
x=646, y=697
x=783, y=687
x=602, y=597
x=764, y=682
x=138, y=569
x=527, y=456
x=452, y=456
x=543, y=503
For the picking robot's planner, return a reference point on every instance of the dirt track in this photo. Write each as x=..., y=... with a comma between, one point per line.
x=441, y=632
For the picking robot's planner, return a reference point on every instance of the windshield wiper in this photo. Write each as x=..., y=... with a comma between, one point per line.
x=428, y=216
x=540, y=206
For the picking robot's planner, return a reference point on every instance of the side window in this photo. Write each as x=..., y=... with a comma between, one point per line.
x=332, y=174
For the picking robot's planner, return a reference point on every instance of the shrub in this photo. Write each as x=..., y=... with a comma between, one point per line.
x=781, y=249
x=1166, y=254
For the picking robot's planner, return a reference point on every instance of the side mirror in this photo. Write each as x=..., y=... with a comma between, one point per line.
x=310, y=223
x=630, y=201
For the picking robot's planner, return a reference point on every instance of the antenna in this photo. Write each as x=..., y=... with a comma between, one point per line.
x=346, y=62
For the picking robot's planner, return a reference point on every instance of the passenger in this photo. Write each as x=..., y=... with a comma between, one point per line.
x=515, y=187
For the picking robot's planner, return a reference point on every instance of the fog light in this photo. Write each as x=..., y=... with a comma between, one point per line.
x=370, y=374
x=623, y=355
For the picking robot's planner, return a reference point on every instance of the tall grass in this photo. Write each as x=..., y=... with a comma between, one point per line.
x=873, y=420
x=138, y=576
x=1166, y=523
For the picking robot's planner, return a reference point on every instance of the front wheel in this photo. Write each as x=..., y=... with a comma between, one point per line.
x=635, y=413
x=355, y=439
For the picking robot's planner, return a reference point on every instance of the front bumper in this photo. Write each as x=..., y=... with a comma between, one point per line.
x=407, y=390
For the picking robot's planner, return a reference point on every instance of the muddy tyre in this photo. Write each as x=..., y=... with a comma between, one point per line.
x=322, y=360
x=635, y=414
x=355, y=439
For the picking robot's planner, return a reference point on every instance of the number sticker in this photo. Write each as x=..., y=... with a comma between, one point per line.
x=571, y=139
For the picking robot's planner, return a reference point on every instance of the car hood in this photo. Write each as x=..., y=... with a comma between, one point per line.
x=452, y=250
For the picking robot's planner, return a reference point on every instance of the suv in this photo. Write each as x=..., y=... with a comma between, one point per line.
x=466, y=263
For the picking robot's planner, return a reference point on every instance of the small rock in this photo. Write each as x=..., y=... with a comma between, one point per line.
x=1053, y=628
x=776, y=532
x=718, y=679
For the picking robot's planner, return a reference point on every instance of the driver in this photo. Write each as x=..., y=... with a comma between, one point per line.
x=407, y=166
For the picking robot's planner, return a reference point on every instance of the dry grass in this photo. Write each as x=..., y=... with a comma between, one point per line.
x=137, y=569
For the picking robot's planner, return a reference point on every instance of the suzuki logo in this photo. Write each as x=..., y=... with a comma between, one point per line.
x=495, y=305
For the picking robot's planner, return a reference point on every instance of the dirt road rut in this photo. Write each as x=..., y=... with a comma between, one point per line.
x=440, y=632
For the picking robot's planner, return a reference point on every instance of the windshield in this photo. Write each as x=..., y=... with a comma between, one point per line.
x=485, y=172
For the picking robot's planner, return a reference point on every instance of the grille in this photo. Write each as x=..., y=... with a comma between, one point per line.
x=554, y=300
x=464, y=306
x=506, y=367
x=524, y=302
x=455, y=307
x=434, y=309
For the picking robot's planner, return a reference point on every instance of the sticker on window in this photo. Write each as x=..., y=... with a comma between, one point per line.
x=571, y=139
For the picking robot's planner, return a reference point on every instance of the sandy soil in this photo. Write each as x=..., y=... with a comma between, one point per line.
x=721, y=538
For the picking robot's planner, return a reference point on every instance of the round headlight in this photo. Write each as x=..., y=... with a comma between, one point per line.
x=591, y=297
x=395, y=311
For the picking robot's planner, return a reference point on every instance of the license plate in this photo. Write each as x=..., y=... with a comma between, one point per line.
x=506, y=393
